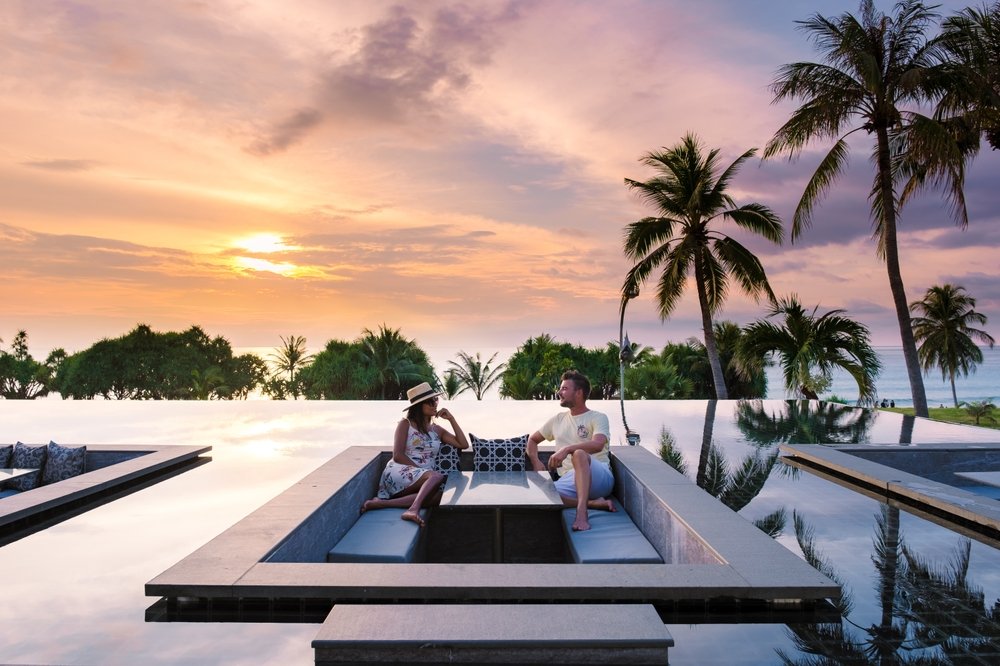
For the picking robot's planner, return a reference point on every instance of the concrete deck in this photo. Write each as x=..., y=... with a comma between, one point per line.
x=883, y=468
x=493, y=634
x=110, y=471
x=278, y=551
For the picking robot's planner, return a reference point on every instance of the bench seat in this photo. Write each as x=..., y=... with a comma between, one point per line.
x=493, y=633
x=379, y=535
x=612, y=539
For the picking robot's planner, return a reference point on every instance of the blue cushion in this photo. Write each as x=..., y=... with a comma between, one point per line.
x=5, y=453
x=9, y=492
x=63, y=462
x=379, y=535
x=612, y=539
x=499, y=455
x=27, y=457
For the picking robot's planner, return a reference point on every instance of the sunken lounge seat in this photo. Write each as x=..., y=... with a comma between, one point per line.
x=380, y=535
x=612, y=539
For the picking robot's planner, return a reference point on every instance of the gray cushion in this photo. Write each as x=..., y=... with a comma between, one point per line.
x=63, y=462
x=499, y=455
x=379, y=535
x=612, y=539
x=5, y=453
x=27, y=457
x=448, y=459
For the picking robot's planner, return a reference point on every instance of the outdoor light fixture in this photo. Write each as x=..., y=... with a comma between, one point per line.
x=625, y=356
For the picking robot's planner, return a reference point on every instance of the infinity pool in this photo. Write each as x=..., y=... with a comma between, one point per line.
x=74, y=593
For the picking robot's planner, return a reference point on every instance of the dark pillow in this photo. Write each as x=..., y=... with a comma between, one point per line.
x=5, y=452
x=448, y=459
x=499, y=455
x=63, y=462
x=25, y=456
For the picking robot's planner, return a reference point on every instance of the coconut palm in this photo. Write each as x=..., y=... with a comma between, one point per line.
x=690, y=196
x=943, y=329
x=808, y=347
x=980, y=409
x=397, y=363
x=452, y=385
x=288, y=359
x=475, y=375
x=971, y=39
x=874, y=64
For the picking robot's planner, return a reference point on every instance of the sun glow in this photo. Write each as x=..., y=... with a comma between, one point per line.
x=284, y=268
x=265, y=243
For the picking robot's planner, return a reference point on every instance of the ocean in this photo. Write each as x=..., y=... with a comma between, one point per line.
x=892, y=383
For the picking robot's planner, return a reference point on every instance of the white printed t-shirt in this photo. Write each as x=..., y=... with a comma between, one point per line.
x=567, y=429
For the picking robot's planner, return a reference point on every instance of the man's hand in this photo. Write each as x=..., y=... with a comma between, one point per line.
x=556, y=459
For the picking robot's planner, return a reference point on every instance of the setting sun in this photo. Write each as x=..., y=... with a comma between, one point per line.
x=264, y=243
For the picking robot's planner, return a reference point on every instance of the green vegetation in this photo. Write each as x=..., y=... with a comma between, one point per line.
x=21, y=376
x=808, y=348
x=474, y=375
x=689, y=194
x=948, y=415
x=945, y=334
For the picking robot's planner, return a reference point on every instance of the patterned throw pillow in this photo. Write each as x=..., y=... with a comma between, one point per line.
x=448, y=459
x=63, y=462
x=5, y=453
x=499, y=455
x=27, y=457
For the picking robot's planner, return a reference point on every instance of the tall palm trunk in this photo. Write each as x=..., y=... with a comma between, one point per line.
x=706, y=442
x=954, y=395
x=711, y=348
x=887, y=194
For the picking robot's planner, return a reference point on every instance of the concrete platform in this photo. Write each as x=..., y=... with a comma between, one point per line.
x=493, y=634
x=890, y=470
x=111, y=470
x=279, y=551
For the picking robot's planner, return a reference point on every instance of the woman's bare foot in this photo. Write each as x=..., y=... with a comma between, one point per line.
x=603, y=504
x=373, y=503
x=413, y=516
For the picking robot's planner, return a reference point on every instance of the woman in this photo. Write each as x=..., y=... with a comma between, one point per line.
x=409, y=478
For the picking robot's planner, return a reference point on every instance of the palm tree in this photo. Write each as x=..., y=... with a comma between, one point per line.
x=943, y=328
x=689, y=195
x=808, y=348
x=396, y=362
x=475, y=375
x=873, y=65
x=980, y=409
x=971, y=39
x=289, y=358
x=452, y=385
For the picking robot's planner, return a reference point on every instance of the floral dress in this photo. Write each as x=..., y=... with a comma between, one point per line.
x=421, y=449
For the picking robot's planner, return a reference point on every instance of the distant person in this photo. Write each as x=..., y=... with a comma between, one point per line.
x=582, y=455
x=884, y=403
x=892, y=403
x=409, y=479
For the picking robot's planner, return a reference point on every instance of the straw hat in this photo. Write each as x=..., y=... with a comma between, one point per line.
x=419, y=393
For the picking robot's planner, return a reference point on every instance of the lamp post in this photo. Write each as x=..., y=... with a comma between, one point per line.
x=624, y=357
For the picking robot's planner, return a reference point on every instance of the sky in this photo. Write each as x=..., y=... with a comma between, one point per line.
x=454, y=170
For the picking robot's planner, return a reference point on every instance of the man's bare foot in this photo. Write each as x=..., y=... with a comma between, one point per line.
x=373, y=503
x=413, y=516
x=581, y=524
x=603, y=504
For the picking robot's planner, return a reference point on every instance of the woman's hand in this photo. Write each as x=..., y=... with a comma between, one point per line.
x=443, y=413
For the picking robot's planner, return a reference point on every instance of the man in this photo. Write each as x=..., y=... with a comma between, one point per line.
x=582, y=456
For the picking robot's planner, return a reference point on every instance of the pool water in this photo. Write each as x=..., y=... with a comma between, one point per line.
x=74, y=593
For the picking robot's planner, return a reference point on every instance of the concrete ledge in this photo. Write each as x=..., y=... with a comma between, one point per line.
x=847, y=461
x=110, y=468
x=493, y=634
x=721, y=556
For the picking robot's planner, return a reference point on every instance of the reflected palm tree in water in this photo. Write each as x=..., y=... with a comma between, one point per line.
x=734, y=485
x=803, y=422
x=929, y=614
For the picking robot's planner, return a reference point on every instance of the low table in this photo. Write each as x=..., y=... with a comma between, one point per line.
x=500, y=490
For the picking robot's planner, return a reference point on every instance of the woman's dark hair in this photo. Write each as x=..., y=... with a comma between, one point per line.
x=415, y=415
